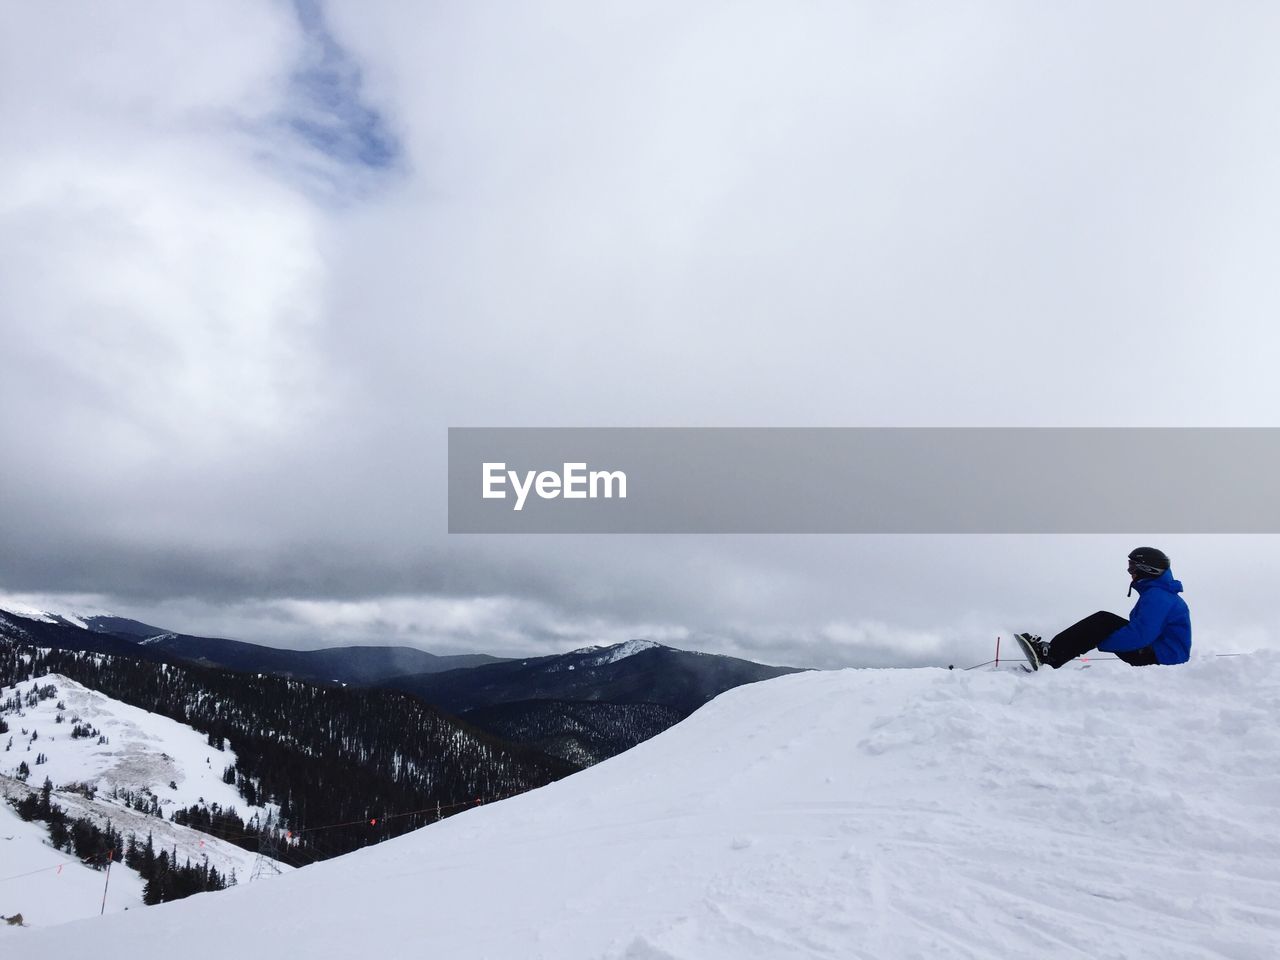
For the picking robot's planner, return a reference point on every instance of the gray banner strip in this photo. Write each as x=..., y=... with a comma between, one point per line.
x=864, y=480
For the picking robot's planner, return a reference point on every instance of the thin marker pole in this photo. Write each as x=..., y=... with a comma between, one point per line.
x=110, y=856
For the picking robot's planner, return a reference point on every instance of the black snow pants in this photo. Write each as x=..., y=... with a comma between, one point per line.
x=1080, y=638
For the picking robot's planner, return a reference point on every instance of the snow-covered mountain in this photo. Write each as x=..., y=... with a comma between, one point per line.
x=91, y=618
x=590, y=703
x=144, y=753
x=636, y=671
x=1108, y=812
x=79, y=618
x=597, y=655
x=130, y=755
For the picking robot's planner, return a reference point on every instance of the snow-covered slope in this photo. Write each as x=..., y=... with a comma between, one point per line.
x=143, y=754
x=1109, y=812
x=47, y=886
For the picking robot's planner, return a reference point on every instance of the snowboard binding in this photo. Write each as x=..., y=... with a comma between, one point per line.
x=1033, y=648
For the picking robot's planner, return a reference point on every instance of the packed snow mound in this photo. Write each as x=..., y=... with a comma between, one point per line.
x=1104, y=812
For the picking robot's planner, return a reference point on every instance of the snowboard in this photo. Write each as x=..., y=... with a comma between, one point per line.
x=1028, y=651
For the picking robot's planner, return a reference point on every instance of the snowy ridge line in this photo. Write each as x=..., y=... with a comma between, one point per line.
x=619, y=651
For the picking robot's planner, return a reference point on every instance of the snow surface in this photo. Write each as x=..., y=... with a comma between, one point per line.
x=1111, y=812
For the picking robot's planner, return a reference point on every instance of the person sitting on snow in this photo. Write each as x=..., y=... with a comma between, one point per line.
x=1158, y=630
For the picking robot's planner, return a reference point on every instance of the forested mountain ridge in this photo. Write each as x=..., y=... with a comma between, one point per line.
x=632, y=672
x=583, y=732
x=589, y=704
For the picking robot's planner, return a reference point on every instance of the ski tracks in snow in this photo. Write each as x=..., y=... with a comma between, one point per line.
x=1004, y=816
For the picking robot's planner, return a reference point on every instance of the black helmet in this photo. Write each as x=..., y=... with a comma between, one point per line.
x=1147, y=562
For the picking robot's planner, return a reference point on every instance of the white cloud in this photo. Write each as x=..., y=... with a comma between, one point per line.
x=228, y=363
x=161, y=285
x=182, y=292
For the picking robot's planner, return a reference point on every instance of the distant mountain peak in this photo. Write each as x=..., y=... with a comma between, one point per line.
x=27, y=611
x=91, y=619
x=615, y=652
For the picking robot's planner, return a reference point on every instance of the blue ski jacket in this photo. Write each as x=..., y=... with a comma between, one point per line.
x=1160, y=619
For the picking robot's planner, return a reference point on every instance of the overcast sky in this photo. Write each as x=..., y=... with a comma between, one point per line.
x=255, y=258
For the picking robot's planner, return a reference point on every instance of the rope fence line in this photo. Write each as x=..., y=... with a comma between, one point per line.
x=177, y=845
x=99, y=817
x=56, y=866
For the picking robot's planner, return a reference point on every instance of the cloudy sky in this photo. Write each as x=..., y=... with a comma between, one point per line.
x=256, y=257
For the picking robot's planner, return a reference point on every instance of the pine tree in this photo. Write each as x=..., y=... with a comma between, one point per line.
x=148, y=858
x=59, y=836
x=29, y=807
